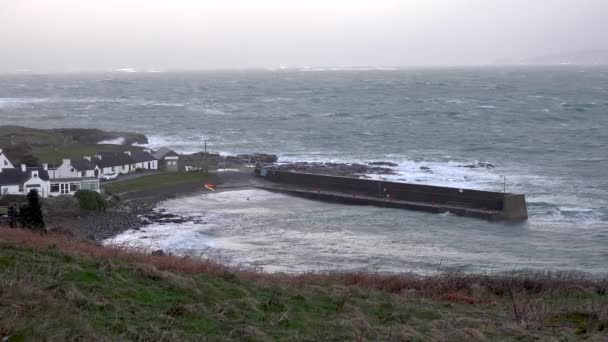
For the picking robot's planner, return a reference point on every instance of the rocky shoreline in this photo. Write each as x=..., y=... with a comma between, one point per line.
x=126, y=211
x=97, y=226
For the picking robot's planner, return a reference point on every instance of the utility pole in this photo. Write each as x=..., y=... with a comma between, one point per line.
x=206, y=160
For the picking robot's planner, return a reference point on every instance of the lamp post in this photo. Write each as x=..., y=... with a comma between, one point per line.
x=206, y=160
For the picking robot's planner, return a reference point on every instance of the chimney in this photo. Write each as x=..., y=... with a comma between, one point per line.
x=45, y=167
x=128, y=153
x=98, y=156
x=0, y=151
x=87, y=158
x=23, y=168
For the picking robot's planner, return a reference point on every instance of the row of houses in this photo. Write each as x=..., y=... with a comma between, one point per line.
x=83, y=173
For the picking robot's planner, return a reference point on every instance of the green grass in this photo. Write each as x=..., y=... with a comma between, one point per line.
x=157, y=181
x=49, y=294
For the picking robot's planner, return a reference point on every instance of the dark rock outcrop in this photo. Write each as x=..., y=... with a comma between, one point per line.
x=384, y=164
x=479, y=165
x=335, y=169
x=95, y=136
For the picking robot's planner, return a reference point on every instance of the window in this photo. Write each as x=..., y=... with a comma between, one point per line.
x=90, y=186
x=113, y=169
x=74, y=187
x=55, y=187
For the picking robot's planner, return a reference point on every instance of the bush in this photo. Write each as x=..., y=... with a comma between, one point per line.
x=30, y=214
x=91, y=200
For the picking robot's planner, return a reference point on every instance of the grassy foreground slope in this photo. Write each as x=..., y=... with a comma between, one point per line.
x=54, y=288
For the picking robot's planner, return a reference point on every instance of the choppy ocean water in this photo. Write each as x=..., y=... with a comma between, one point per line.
x=544, y=129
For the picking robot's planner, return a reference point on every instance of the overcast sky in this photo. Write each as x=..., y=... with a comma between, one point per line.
x=69, y=35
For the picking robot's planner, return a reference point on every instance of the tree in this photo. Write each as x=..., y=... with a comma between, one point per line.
x=30, y=214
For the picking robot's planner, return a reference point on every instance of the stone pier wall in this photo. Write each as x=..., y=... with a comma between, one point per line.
x=509, y=206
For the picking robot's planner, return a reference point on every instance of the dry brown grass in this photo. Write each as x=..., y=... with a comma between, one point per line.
x=243, y=303
x=469, y=288
x=69, y=244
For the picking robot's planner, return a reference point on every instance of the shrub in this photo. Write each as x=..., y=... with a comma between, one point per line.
x=91, y=200
x=30, y=214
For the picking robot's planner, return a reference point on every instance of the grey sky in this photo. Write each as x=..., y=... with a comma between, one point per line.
x=65, y=35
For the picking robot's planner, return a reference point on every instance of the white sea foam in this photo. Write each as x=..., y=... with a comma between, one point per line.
x=15, y=102
x=127, y=70
x=457, y=101
x=178, y=144
x=449, y=173
x=210, y=111
x=349, y=69
x=286, y=234
x=116, y=141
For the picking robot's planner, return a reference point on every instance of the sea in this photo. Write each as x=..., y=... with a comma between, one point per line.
x=542, y=131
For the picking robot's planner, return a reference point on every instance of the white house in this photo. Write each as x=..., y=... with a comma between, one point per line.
x=69, y=186
x=109, y=162
x=21, y=180
x=144, y=160
x=80, y=168
x=4, y=162
x=73, y=175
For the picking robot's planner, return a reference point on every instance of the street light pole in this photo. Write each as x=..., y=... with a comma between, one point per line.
x=206, y=161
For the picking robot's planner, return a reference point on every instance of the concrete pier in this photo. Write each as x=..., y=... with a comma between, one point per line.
x=464, y=202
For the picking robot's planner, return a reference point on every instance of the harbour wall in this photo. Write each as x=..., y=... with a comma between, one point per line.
x=488, y=204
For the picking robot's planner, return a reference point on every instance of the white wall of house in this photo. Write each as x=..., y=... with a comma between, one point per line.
x=151, y=165
x=4, y=162
x=60, y=187
x=37, y=183
x=9, y=190
x=65, y=170
x=34, y=182
x=90, y=173
x=120, y=169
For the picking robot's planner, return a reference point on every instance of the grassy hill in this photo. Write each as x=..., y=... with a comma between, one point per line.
x=32, y=145
x=55, y=288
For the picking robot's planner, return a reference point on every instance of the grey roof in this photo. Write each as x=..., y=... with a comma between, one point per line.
x=15, y=176
x=164, y=152
x=109, y=159
x=82, y=164
x=141, y=157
